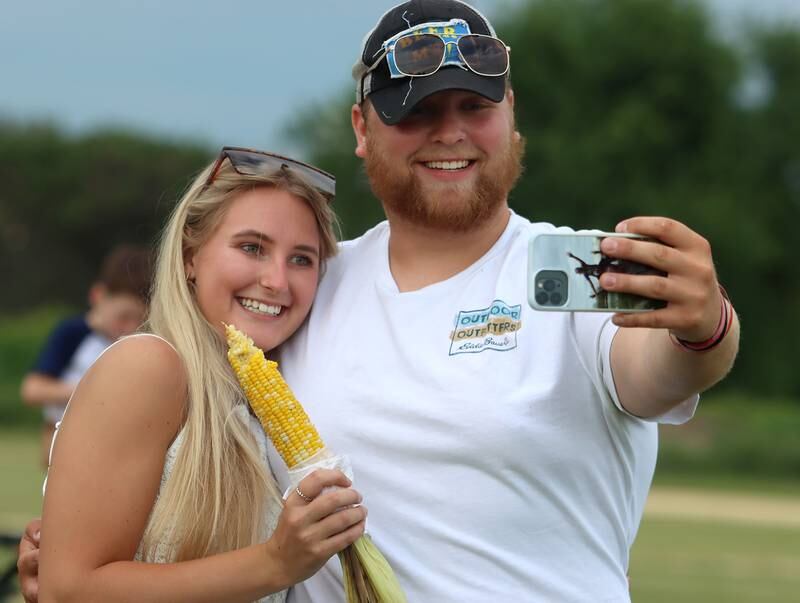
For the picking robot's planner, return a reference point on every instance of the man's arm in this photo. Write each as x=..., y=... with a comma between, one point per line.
x=42, y=385
x=652, y=372
x=38, y=389
x=28, y=561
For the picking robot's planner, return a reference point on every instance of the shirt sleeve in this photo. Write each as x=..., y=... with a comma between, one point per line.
x=60, y=347
x=593, y=333
x=677, y=415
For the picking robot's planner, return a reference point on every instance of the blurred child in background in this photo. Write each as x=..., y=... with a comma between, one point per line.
x=117, y=303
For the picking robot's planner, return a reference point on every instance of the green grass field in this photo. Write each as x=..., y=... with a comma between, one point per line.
x=21, y=491
x=689, y=560
x=718, y=544
x=728, y=543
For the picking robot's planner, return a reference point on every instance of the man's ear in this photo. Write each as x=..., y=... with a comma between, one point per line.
x=359, y=121
x=510, y=99
x=97, y=292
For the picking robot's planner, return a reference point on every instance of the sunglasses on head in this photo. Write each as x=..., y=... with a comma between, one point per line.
x=249, y=162
x=423, y=54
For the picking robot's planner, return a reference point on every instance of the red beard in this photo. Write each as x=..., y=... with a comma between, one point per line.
x=458, y=208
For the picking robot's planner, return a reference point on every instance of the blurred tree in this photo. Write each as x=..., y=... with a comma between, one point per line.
x=764, y=178
x=628, y=107
x=621, y=102
x=65, y=201
x=326, y=136
x=636, y=107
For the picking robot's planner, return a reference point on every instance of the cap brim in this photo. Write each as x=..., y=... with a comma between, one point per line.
x=394, y=102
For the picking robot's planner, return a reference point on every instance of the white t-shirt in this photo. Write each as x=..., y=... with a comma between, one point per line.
x=84, y=357
x=485, y=437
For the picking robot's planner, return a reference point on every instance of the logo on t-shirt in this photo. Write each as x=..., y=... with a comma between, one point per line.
x=492, y=328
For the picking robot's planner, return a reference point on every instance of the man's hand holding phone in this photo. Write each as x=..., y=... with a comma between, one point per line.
x=651, y=272
x=689, y=287
x=651, y=375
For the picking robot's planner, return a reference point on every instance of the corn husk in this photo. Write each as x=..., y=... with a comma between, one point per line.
x=368, y=577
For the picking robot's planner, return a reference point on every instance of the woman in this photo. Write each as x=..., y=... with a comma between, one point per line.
x=158, y=459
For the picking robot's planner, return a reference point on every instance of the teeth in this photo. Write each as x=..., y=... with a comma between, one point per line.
x=260, y=307
x=447, y=165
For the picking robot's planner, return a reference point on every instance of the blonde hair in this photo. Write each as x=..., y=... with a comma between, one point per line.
x=215, y=497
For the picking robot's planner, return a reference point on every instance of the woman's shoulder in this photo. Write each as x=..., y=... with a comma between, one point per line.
x=144, y=367
x=133, y=397
x=144, y=351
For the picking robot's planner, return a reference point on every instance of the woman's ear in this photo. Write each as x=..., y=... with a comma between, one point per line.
x=188, y=266
x=97, y=292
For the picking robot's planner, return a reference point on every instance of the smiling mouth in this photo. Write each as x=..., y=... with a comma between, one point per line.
x=448, y=166
x=258, y=307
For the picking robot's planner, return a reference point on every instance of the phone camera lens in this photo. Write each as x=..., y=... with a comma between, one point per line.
x=542, y=298
x=549, y=285
x=555, y=299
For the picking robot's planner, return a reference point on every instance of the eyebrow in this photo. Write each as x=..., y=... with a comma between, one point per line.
x=257, y=234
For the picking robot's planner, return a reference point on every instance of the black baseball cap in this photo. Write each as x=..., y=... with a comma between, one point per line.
x=394, y=98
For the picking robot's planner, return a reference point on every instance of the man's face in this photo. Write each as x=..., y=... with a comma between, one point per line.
x=449, y=165
x=116, y=315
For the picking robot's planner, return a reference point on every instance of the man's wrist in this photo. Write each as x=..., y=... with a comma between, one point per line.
x=723, y=328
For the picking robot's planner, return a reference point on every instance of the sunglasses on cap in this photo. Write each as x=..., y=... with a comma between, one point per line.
x=423, y=54
x=249, y=162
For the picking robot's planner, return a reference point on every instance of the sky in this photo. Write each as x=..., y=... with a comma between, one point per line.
x=214, y=72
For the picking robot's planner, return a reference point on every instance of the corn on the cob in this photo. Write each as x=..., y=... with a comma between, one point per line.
x=282, y=416
x=368, y=577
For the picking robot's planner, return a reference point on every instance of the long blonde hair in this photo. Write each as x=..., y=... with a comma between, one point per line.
x=215, y=497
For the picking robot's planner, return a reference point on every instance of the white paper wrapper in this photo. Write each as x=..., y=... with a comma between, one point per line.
x=324, y=459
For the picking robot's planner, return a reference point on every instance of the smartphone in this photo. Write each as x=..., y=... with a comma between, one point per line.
x=564, y=274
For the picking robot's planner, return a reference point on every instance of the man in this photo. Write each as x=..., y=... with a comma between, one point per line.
x=117, y=306
x=499, y=449
x=504, y=454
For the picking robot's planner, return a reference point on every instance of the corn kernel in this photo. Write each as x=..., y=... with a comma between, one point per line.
x=283, y=418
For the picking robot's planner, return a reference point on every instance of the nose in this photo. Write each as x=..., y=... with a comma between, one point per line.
x=273, y=276
x=449, y=128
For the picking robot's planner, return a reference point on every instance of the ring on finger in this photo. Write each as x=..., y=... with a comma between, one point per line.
x=301, y=495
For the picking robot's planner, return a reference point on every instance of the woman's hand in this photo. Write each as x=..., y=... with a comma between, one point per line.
x=310, y=532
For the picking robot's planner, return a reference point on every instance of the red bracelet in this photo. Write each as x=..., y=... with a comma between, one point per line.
x=724, y=325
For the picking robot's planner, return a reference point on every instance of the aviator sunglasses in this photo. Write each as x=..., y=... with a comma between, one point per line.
x=249, y=162
x=419, y=55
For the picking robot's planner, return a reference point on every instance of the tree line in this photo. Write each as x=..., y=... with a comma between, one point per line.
x=628, y=107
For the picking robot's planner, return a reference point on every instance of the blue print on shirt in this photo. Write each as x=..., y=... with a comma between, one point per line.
x=492, y=328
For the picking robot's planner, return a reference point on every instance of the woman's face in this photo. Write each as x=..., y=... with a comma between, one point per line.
x=259, y=269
